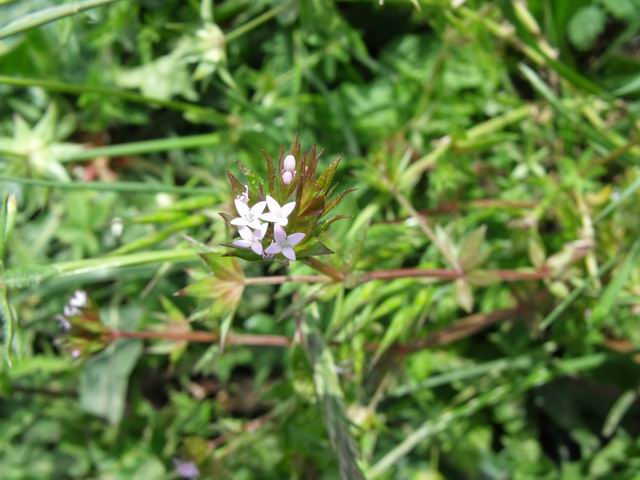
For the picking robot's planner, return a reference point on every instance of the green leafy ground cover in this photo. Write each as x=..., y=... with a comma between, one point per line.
x=477, y=319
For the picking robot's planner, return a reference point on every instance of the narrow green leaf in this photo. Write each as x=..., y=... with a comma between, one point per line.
x=48, y=15
x=332, y=403
x=607, y=300
x=9, y=323
x=127, y=187
x=618, y=411
x=7, y=218
x=225, y=326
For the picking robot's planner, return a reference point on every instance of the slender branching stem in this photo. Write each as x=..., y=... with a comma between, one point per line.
x=393, y=274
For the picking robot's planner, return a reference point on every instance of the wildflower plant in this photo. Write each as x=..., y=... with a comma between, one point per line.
x=284, y=216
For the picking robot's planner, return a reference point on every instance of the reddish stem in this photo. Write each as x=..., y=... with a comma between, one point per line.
x=438, y=273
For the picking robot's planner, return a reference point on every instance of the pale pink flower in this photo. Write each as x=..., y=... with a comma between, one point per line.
x=284, y=243
x=252, y=238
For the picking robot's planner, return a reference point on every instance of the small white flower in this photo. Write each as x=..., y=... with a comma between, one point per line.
x=252, y=238
x=278, y=214
x=287, y=177
x=117, y=226
x=283, y=243
x=249, y=217
x=79, y=299
x=244, y=196
x=289, y=171
x=70, y=311
x=289, y=163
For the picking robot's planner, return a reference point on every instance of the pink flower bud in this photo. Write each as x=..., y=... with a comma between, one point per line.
x=289, y=163
x=287, y=176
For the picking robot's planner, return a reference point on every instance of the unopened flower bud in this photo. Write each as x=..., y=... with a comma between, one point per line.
x=287, y=176
x=289, y=163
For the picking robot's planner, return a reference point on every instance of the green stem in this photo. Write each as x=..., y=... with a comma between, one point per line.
x=126, y=187
x=79, y=89
x=48, y=15
x=256, y=22
x=147, y=146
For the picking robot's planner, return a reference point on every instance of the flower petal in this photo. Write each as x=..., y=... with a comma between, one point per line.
x=274, y=206
x=295, y=238
x=287, y=176
x=261, y=232
x=270, y=217
x=287, y=208
x=239, y=222
x=257, y=247
x=279, y=234
x=255, y=224
x=241, y=243
x=246, y=234
x=241, y=207
x=289, y=162
x=273, y=249
x=289, y=253
x=258, y=208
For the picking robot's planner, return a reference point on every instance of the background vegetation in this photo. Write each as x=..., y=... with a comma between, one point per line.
x=482, y=321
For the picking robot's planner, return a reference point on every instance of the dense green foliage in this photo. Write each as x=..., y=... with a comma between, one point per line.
x=478, y=317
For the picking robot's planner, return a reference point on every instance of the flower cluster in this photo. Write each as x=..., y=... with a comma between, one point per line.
x=293, y=197
x=250, y=224
x=84, y=333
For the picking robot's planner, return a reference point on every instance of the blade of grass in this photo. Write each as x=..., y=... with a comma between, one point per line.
x=618, y=411
x=197, y=111
x=573, y=296
x=48, y=15
x=332, y=403
x=537, y=376
x=146, y=146
x=608, y=298
x=124, y=187
x=28, y=276
x=609, y=209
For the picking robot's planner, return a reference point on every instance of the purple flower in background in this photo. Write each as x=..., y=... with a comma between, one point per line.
x=186, y=469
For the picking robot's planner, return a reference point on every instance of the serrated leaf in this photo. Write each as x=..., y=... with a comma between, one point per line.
x=586, y=25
